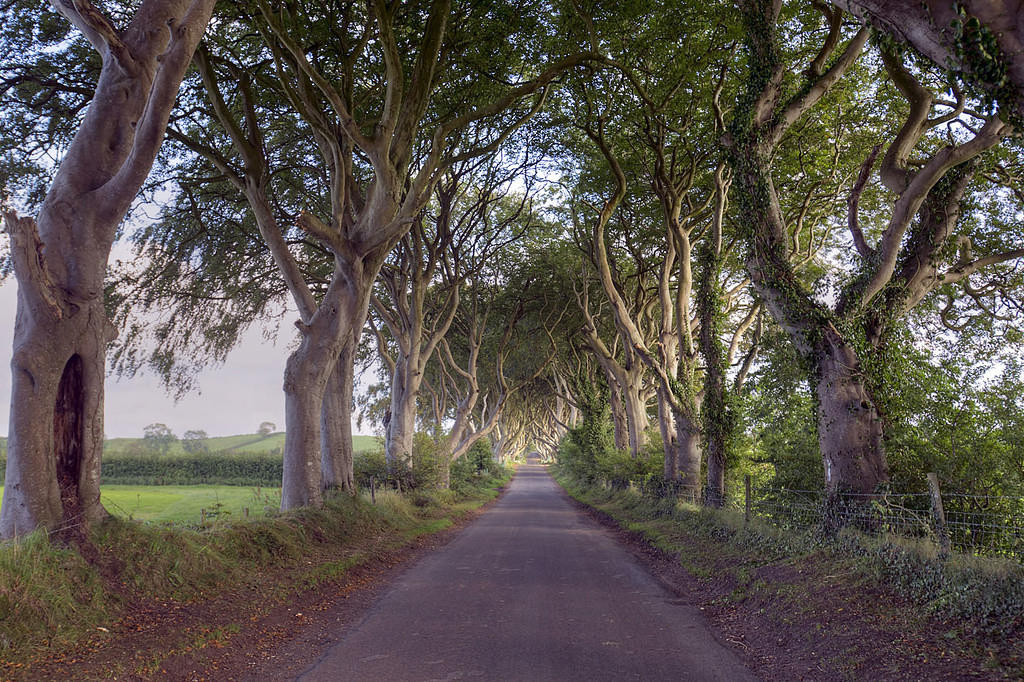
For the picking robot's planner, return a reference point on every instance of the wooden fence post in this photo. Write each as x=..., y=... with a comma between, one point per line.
x=938, y=515
x=746, y=499
x=373, y=491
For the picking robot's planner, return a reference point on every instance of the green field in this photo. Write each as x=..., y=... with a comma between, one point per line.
x=243, y=444
x=184, y=503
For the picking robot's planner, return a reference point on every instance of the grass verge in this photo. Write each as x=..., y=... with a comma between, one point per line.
x=53, y=602
x=854, y=591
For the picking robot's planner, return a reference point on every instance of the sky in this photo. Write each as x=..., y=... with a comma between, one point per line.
x=233, y=398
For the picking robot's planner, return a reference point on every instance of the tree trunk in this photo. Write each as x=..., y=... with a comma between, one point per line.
x=718, y=419
x=849, y=426
x=444, y=471
x=61, y=328
x=669, y=439
x=402, y=426
x=306, y=377
x=636, y=417
x=56, y=422
x=620, y=420
x=688, y=457
x=336, y=452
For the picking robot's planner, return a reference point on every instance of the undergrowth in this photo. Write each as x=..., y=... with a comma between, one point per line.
x=51, y=597
x=985, y=595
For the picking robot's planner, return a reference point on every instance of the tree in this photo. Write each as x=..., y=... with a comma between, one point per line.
x=851, y=346
x=375, y=148
x=195, y=442
x=60, y=257
x=158, y=438
x=266, y=428
x=474, y=215
x=979, y=40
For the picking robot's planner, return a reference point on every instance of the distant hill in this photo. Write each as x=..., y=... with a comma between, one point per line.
x=220, y=445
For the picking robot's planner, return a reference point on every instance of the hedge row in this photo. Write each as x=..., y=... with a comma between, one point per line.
x=262, y=470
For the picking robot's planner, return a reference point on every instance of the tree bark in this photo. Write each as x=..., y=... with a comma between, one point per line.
x=336, y=452
x=402, y=425
x=61, y=327
x=669, y=436
x=849, y=426
x=306, y=376
x=688, y=454
x=636, y=416
x=620, y=420
x=931, y=27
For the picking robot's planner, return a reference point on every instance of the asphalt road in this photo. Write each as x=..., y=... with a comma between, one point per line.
x=532, y=590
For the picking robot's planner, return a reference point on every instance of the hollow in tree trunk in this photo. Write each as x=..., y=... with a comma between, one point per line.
x=56, y=424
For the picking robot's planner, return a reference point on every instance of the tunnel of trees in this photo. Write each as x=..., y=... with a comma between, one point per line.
x=676, y=242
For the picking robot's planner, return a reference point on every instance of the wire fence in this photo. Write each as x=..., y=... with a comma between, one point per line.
x=989, y=525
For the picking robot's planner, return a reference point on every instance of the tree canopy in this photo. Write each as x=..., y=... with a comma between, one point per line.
x=776, y=237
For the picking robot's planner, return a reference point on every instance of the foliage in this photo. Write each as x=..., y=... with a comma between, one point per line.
x=479, y=461
x=158, y=438
x=247, y=470
x=266, y=428
x=195, y=442
x=422, y=474
x=986, y=595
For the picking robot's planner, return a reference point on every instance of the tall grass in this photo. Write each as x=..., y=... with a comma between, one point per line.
x=986, y=594
x=50, y=596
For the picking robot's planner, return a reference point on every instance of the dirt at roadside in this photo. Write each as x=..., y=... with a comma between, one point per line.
x=814, y=619
x=797, y=619
x=266, y=631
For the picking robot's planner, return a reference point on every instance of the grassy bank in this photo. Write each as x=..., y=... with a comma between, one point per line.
x=52, y=599
x=853, y=601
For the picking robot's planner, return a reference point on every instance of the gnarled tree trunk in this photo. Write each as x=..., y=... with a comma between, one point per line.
x=849, y=426
x=61, y=328
x=336, y=452
x=402, y=424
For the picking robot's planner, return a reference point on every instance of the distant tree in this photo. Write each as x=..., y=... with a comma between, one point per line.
x=158, y=438
x=195, y=442
x=266, y=428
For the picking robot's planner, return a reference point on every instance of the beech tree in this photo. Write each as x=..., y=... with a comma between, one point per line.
x=59, y=258
x=848, y=344
x=653, y=117
x=472, y=217
x=982, y=41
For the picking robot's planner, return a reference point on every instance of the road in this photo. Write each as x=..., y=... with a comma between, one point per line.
x=532, y=590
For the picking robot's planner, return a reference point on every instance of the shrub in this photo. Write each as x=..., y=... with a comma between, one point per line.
x=423, y=473
x=476, y=463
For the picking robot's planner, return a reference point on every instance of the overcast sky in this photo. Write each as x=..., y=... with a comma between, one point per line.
x=233, y=399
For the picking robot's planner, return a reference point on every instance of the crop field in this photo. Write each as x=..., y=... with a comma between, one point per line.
x=185, y=503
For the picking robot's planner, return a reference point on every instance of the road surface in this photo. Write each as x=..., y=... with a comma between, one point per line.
x=532, y=590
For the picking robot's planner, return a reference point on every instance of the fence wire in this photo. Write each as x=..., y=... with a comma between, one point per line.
x=988, y=525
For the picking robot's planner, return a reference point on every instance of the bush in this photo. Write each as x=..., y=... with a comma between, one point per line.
x=476, y=463
x=423, y=474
